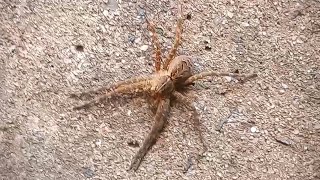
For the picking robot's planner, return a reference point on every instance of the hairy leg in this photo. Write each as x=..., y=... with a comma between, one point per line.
x=159, y=123
x=154, y=103
x=196, y=122
x=130, y=88
x=202, y=75
x=115, y=85
x=156, y=45
x=173, y=51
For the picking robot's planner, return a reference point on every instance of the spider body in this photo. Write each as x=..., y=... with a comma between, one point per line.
x=179, y=70
x=170, y=76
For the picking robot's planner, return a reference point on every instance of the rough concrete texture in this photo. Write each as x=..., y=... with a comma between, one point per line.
x=272, y=128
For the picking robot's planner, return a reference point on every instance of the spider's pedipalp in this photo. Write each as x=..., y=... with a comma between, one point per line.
x=115, y=85
x=160, y=120
x=142, y=86
x=214, y=73
x=196, y=122
x=177, y=39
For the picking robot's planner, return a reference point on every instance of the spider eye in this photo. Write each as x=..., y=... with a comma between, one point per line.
x=172, y=74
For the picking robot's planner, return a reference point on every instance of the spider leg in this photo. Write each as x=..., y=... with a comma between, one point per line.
x=156, y=45
x=196, y=122
x=177, y=40
x=153, y=103
x=202, y=75
x=159, y=123
x=130, y=88
x=115, y=85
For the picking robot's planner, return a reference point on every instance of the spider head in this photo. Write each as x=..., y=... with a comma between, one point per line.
x=163, y=85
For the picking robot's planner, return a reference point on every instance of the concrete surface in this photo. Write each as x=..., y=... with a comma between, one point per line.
x=273, y=129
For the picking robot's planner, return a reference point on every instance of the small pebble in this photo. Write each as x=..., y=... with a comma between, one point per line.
x=129, y=112
x=137, y=41
x=299, y=41
x=141, y=13
x=253, y=129
x=229, y=14
x=245, y=24
x=105, y=13
x=284, y=141
x=98, y=142
x=228, y=78
x=284, y=86
x=88, y=173
x=296, y=131
x=144, y=47
x=131, y=39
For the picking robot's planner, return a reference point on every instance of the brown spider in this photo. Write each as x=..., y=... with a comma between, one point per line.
x=170, y=77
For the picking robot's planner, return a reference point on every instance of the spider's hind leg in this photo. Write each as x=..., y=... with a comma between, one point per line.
x=159, y=123
x=153, y=103
x=112, y=86
x=196, y=121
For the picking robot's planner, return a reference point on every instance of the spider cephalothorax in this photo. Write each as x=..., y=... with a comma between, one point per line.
x=170, y=76
x=162, y=84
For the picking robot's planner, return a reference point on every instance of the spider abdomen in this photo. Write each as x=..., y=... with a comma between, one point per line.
x=180, y=69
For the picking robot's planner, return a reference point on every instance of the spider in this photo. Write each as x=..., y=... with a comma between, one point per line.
x=171, y=76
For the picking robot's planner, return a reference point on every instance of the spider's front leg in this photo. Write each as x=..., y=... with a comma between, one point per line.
x=143, y=86
x=173, y=51
x=160, y=120
x=156, y=45
x=202, y=75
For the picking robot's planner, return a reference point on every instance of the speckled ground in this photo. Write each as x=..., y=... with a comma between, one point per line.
x=273, y=121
